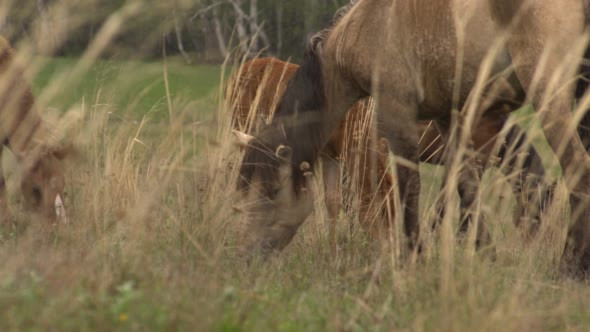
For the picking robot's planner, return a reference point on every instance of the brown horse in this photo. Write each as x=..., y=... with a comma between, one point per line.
x=255, y=89
x=439, y=56
x=23, y=131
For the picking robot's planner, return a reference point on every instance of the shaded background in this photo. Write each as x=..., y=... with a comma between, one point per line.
x=202, y=31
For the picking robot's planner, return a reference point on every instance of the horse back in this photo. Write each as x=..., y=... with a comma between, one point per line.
x=255, y=90
x=422, y=51
x=18, y=120
x=505, y=11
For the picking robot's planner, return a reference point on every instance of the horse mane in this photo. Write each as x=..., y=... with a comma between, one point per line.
x=306, y=90
x=297, y=122
x=253, y=91
x=316, y=41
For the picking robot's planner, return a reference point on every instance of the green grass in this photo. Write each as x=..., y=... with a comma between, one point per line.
x=128, y=83
x=152, y=243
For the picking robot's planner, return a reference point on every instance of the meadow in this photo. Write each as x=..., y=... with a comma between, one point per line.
x=151, y=244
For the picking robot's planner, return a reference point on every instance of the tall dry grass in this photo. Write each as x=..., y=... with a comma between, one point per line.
x=153, y=240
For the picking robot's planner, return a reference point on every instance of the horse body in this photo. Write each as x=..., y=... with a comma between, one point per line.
x=422, y=48
x=23, y=131
x=452, y=52
x=254, y=91
x=421, y=60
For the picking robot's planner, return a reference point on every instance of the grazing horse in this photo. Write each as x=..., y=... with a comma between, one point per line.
x=253, y=93
x=421, y=60
x=23, y=131
x=256, y=88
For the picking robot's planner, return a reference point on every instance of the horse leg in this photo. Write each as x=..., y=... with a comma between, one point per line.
x=396, y=123
x=374, y=187
x=536, y=45
x=442, y=128
x=364, y=174
x=525, y=172
x=433, y=144
x=331, y=176
x=468, y=185
x=535, y=195
x=386, y=183
x=468, y=179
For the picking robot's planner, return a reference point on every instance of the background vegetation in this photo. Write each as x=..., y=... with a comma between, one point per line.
x=200, y=30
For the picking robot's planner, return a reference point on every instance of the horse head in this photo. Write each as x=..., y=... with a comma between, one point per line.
x=43, y=183
x=276, y=194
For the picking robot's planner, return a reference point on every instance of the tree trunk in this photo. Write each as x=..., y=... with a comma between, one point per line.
x=263, y=37
x=219, y=34
x=240, y=26
x=178, y=32
x=46, y=40
x=279, y=28
x=254, y=31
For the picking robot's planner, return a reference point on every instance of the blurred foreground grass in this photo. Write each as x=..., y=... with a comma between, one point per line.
x=151, y=246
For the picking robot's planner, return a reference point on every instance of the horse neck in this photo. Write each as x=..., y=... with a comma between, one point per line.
x=300, y=114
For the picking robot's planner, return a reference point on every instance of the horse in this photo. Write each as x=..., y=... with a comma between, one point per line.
x=448, y=61
x=253, y=93
x=28, y=137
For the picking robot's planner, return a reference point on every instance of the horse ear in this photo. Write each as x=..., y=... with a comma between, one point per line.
x=284, y=152
x=242, y=139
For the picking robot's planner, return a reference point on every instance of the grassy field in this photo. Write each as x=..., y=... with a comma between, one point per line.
x=152, y=242
x=130, y=86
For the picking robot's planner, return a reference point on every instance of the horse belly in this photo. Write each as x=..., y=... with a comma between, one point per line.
x=457, y=53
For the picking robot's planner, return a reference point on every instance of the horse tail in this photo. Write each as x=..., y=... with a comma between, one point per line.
x=583, y=83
